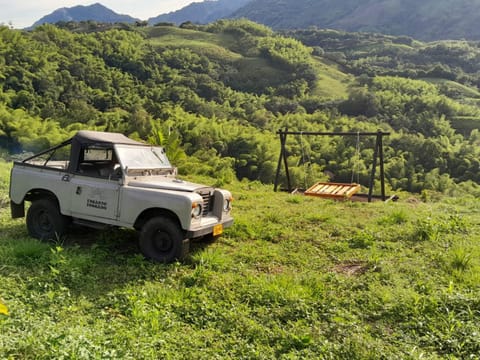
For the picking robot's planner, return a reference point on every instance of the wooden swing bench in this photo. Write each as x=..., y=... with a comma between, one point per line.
x=334, y=190
x=329, y=190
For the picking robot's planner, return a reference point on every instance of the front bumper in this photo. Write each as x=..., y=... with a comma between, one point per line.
x=207, y=230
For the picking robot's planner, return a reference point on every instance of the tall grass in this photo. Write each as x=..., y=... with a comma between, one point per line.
x=4, y=182
x=294, y=278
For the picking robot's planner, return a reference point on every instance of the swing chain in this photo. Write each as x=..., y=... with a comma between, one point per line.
x=356, y=166
x=303, y=161
x=306, y=167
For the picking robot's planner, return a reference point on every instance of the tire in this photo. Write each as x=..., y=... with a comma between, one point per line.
x=44, y=220
x=162, y=240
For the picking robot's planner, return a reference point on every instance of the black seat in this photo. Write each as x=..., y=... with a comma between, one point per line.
x=88, y=169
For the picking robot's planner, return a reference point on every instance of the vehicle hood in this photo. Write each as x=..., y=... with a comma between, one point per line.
x=166, y=183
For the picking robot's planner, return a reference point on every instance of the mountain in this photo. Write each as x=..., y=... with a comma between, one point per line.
x=201, y=12
x=425, y=20
x=95, y=12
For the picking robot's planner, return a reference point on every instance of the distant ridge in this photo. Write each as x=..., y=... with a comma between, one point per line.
x=95, y=12
x=201, y=12
x=426, y=20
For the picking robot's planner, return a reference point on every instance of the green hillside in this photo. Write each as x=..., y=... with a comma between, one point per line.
x=224, y=48
x=450, y=65
x=219, y=93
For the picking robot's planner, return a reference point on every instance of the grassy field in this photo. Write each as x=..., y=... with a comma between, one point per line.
x=332, y=83
x=294, y=278
x=211, y=45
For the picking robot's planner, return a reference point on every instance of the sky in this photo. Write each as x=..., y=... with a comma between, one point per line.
x=23, y=13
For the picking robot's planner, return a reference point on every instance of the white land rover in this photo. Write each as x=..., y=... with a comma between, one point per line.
x=101, y=179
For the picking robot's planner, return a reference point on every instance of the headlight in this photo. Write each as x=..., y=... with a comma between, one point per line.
x=196, y=210
x=227, y=204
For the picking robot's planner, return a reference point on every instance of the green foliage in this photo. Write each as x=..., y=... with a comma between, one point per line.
x=241, y=26
x=397, y=217
x=222, y=91
x=22, y=131
x=163, y=135
x=449, y=63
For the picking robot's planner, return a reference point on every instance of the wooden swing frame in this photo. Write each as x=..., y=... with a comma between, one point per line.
x=378, y=153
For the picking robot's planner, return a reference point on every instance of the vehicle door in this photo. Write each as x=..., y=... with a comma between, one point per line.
x=95, y=185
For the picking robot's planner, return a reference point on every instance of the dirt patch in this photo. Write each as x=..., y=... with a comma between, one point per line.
x=413, y=200
x=353, y=268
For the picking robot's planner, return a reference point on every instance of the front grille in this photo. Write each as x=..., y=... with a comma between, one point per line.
x=207, y=196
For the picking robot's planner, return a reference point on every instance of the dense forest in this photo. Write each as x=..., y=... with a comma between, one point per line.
x=216, y=94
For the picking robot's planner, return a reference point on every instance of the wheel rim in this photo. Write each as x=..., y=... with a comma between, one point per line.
x=44, y=222
x=162, y=242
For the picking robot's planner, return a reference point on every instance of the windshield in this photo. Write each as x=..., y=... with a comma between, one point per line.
x=142, y=157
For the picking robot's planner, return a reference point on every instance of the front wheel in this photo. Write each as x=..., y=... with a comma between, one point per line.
x=162, y=240
x=44, y=220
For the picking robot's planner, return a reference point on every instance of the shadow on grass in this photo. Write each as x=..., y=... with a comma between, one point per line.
x=88, y=262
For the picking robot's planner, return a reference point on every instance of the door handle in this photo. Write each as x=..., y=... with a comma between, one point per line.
x=79, y=190
x=66, y=178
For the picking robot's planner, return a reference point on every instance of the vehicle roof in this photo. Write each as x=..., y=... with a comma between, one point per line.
x=89, y=137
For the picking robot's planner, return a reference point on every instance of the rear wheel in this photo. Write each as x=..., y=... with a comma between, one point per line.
x=44, y=220
x=162, y=240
